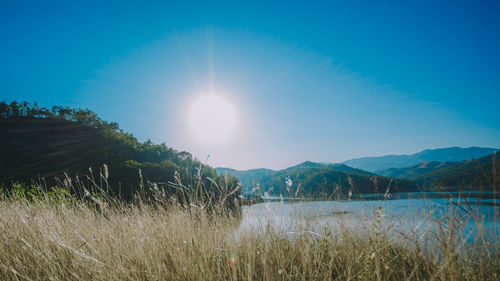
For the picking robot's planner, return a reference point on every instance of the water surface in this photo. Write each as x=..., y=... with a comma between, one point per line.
x=411, y=214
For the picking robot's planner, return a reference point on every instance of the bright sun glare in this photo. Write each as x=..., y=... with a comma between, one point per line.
x=212, y=119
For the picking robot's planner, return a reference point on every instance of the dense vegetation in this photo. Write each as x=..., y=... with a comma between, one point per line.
x=248, y=178
x=318, y=180
x=58, y=237
x=483, y=173
x=40, y=144
x=414, y=171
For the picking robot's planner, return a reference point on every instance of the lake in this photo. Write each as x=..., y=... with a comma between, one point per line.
x=414, y=215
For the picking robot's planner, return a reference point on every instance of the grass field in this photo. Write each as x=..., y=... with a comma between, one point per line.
x=59, y=237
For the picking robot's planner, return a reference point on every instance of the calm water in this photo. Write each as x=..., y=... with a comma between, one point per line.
x=414, y=215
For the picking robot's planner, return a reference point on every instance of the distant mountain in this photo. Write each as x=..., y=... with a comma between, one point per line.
x=324, y=182
x=248, y=178
x=483, y=172
x=311, y=179
x=337, y=167
x=414, y=171
x=451, y=154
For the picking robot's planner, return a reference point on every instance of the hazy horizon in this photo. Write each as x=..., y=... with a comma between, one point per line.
x=341, y=161
x=316, y=82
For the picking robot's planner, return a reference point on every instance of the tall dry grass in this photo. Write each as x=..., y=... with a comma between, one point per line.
x=58, y=237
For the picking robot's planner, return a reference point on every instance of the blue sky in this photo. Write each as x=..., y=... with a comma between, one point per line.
x=320, y=81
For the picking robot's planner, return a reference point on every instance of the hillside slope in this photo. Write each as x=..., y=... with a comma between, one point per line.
x=413, y=171
x=248, y=178
x=40, y=144
x=319, y=180
x=450, y=154
x=483, y=172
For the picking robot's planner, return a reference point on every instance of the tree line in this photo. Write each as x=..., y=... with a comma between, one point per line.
x=40, y=143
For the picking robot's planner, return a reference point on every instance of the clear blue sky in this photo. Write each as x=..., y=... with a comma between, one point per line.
x=310, y=80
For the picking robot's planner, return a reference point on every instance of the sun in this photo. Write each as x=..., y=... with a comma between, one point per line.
x=212, y=119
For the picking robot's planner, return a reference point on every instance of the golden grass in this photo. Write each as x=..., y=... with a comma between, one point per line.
x=51, y=239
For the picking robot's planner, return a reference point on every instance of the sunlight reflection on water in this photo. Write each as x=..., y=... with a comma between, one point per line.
x=413, y=218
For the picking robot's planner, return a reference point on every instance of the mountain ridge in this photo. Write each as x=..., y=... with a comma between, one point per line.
x=447, y=154
x=313, y=179
x=479, y=173
x=413, y=171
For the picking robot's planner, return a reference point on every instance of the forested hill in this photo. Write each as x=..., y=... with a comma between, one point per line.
x=38, y=143
x=449, y=154
x=248, y=178
x=414, y=171
x=338, y=167
x=318, y=180
x=483, y=173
